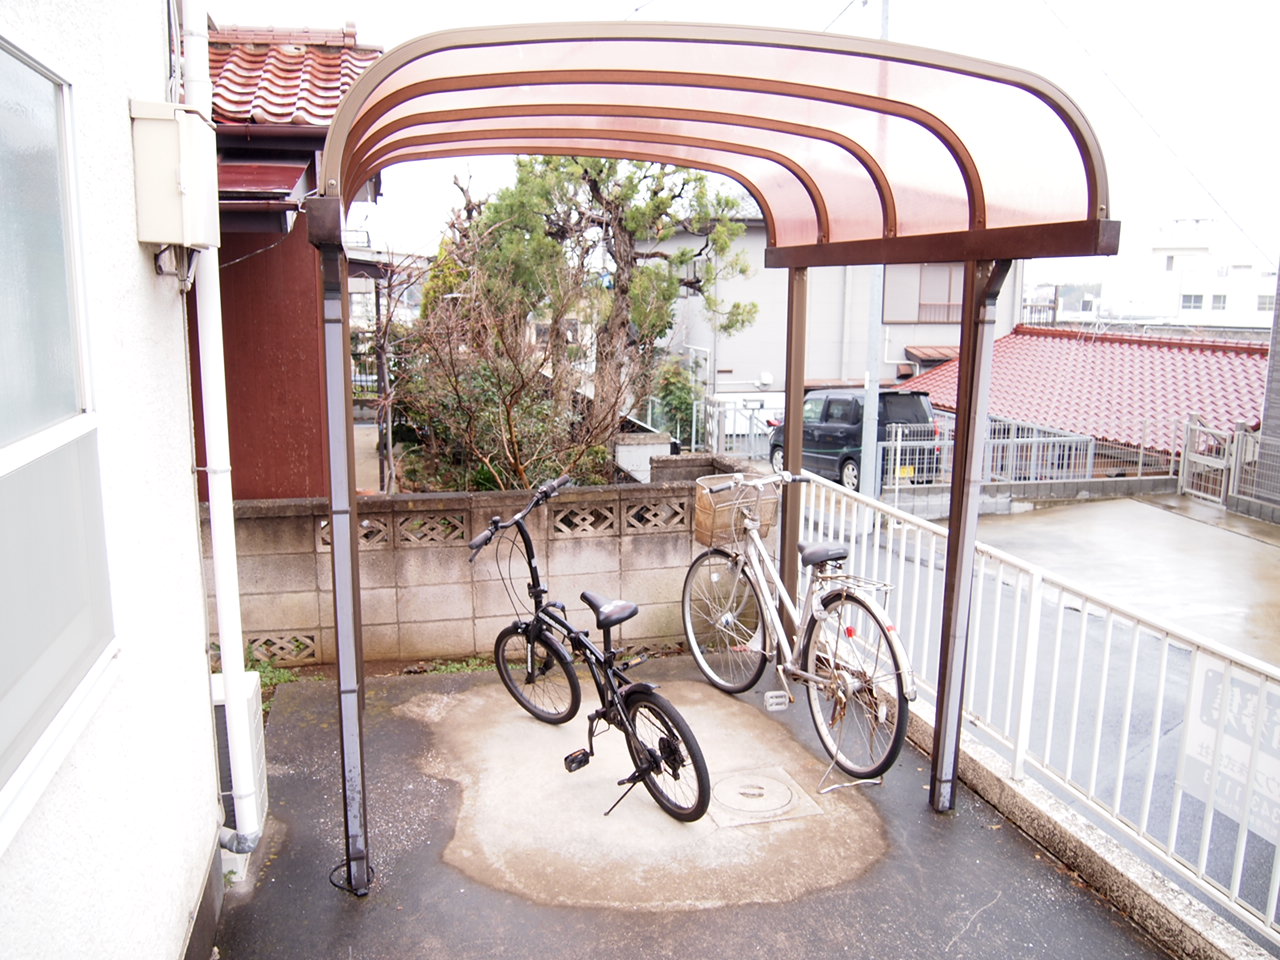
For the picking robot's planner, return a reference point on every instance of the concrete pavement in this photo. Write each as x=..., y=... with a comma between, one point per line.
x=484, y=846
x=1188, y=563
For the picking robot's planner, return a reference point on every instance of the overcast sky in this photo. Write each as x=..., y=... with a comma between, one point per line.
x=1182, y=94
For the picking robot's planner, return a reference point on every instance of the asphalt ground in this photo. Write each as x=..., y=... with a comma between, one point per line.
x=484, y=846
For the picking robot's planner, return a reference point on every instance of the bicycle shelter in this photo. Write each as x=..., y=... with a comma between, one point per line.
x=857, y=151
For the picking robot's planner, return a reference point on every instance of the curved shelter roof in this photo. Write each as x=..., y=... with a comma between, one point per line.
x=857, y=151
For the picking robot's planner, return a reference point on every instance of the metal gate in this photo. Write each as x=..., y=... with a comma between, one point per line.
x=1206, y=461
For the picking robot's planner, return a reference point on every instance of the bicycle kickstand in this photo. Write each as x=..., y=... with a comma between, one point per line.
x=631, y=782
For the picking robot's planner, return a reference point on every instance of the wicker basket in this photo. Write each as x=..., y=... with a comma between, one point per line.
x=718, y=517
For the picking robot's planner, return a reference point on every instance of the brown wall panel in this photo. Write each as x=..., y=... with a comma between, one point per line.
x=271, y=302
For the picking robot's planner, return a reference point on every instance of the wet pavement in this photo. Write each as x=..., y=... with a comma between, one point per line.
x=1188, y=563
x=484, y=846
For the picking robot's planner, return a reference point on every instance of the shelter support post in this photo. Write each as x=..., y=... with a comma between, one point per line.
x=793, y=405
x=324, y=223
x=982, y=282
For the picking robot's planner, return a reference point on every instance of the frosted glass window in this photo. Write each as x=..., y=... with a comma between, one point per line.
x=53, y=590
x=39, y=385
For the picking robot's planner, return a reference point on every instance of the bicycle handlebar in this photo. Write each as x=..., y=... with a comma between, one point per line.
x=554, y=486
x=740, y=480
x=540, y=496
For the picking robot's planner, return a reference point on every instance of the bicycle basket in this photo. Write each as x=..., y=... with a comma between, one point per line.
x=718, y=518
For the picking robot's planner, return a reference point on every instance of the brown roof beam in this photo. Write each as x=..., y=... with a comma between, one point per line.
x=1080, y=238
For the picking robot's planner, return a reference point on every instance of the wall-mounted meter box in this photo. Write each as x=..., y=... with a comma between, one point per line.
x=176, y=175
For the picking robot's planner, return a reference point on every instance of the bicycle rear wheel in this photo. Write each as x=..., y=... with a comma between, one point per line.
x=858, y=704
x=538, y=673
x=723, y=621
x=677, y=775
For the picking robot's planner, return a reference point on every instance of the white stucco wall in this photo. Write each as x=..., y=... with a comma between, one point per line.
x=840, y=300
x=112, y=859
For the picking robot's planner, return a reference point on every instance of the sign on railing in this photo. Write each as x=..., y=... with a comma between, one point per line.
x=1231, y=758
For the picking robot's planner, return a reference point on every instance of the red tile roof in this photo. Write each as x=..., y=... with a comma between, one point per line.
x=283, y=76
x=1110, y=385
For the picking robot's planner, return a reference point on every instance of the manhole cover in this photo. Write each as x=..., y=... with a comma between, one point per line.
x=758, y=796
x=753, y=793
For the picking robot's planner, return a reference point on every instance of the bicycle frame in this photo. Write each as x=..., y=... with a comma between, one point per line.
x=549, y=618
x=600, y=663
x=777, y=643
x=662, y=747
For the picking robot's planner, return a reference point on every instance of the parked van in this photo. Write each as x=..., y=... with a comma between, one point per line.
x=833, y=434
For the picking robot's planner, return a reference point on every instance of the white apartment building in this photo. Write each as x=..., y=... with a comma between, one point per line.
x=919, y=304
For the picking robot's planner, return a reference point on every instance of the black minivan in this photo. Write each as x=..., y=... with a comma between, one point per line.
x=833, y=434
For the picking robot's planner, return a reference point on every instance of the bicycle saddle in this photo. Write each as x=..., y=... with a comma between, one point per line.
x=811, y=553
x=609, y=613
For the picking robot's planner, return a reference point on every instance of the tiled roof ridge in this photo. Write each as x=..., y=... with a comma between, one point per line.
x=285, y=77
x=303, y=36
x=1177, y=343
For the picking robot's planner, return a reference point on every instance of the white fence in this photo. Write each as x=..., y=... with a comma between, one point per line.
x=1255, y=468
x=1172, y=740
x=1019, y=451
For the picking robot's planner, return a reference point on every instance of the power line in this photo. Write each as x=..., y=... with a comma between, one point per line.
x=1160, y=137
x=842, y=13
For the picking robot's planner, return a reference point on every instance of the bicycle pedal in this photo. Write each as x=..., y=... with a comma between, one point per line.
x=633, y=662
x=775, y=701
x=577, y=760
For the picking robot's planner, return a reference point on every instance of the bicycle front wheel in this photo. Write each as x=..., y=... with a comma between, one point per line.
x=723, y=621
x=538, y=673
x=663, y=745
x=858, y=701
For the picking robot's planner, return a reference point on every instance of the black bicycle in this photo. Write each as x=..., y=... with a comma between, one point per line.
x=535, y=659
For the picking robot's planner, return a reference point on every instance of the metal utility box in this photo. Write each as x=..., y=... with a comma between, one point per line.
x=176, y=175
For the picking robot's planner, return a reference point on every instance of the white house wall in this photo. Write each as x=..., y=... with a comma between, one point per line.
x=840, y=303
x=111, y=860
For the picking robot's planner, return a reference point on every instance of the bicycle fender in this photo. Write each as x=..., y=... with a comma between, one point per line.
x=904, y=665
x=637, y=687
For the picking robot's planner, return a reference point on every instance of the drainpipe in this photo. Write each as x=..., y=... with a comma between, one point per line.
x=198, y=94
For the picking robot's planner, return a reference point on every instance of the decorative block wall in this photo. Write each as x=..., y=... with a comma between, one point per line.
x=421, y=598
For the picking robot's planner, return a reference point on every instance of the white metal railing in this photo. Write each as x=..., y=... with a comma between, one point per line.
x=1015, y=450
x=1170, y=738
x=688, y=430
x=1255, y=467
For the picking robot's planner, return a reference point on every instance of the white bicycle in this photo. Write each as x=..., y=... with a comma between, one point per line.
x=848, y=655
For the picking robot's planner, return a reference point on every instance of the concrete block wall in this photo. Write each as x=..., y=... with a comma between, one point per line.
x=420, y=598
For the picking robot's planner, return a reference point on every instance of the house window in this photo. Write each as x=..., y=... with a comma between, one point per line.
x=1168, y=263
x=941, y=292
x=1192, y=301
x=1267, y=302
x=1219, y=301
x=53, y=568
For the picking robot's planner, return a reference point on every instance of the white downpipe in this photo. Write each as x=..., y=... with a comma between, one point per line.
x=217, y=447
